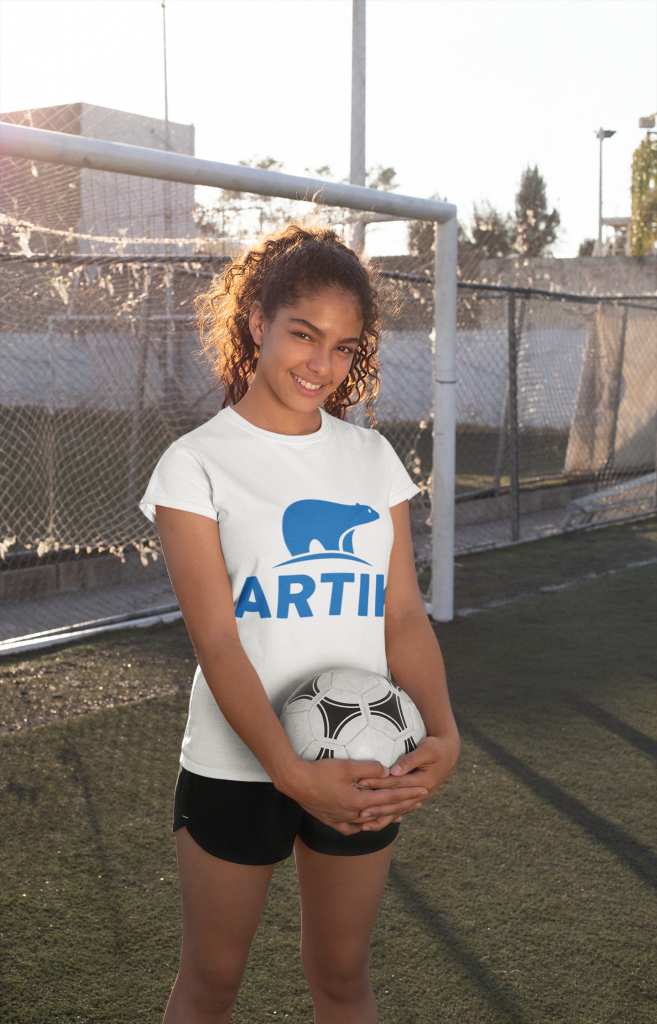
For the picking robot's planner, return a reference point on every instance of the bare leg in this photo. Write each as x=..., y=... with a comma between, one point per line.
x=340, y=898
x=221, y=907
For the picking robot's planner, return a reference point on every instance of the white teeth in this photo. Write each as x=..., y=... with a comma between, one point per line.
x=307, y=384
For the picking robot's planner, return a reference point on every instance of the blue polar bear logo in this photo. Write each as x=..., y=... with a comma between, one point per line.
x=327, y=522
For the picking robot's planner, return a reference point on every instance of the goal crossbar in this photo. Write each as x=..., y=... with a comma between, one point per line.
x=23, y=142
x=97, y=154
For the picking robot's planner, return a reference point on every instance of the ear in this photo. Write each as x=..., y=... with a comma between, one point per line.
x=257, y=323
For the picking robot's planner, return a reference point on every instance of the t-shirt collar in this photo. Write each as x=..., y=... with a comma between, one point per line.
x=269, y=435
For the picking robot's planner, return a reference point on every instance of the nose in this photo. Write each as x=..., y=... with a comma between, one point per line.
x=320, y=361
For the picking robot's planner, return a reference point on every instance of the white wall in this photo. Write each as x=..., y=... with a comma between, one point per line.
x=549, y=365
x=96, y=369
x=124, y=205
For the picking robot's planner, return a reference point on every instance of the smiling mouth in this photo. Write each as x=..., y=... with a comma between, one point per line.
x=306, y=383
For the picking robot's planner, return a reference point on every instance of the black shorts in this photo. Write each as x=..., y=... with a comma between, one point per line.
x=253, y=823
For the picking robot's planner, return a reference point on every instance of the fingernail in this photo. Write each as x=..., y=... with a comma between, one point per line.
x=397, y=770
x=366, y=828
x=417, y=807
x=397, y=820
x=366, y=814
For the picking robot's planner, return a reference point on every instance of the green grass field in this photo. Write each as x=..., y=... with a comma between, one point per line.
x=524, y=893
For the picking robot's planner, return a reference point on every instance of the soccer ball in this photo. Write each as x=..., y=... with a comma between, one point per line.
x=352, y=713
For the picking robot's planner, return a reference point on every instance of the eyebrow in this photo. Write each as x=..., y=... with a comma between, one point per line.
x=317, y=330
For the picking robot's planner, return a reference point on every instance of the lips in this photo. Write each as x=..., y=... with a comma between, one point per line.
x=307, y=385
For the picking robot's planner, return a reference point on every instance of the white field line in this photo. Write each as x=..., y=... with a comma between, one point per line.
x=463, y=612
x=36, y=642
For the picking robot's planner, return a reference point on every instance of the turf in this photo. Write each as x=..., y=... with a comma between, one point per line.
x=509, y=572
x=525, y=892
x=134, y=664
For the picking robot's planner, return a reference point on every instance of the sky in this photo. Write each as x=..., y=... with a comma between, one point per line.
x=462, y=95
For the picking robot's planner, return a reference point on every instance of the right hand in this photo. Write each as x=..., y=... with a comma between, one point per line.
x=328, y=790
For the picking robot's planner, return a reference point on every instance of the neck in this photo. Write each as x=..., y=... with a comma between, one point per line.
x=264, y=409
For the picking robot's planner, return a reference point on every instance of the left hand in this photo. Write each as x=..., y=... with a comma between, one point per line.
x=430, y=764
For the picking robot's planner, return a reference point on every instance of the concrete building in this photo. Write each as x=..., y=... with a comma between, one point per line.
x=106, y=206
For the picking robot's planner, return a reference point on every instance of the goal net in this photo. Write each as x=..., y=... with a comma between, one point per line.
x=555, y=400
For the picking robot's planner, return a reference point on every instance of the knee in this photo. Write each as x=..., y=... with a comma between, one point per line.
x=342, y=976
x=212, y=988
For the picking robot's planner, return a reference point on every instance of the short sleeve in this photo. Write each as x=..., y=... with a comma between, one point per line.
x=401, y=486
x=179, y=481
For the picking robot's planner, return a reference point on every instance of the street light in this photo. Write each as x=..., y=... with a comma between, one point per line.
x=603, y=133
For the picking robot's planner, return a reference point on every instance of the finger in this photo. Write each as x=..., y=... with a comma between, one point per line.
x=347, y=828
x=392, y=782
x=393, y=810
x=390, y=802
x=378, y=825
x=376, y=815
x=408, y=762
x=394, y=804
x=377, y=798
x=368, y=769
x=390, y=809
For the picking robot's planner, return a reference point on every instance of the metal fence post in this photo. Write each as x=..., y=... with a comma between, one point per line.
x=444, y=424
x=618, y=383
x=501, y=441
x=514, y=485
x=134, y=452
x=172, y=381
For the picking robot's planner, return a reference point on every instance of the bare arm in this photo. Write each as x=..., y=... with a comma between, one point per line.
x=192, y=551
x=417, y=666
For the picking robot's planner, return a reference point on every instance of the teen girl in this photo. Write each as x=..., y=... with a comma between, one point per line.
x=268, y=603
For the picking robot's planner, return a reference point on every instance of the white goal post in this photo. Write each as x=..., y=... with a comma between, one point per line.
x=72, y=150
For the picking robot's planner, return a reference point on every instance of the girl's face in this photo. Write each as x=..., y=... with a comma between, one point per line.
x=305, y=354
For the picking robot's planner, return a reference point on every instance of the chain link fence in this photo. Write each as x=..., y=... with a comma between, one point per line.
x=556, y=418
x=556, y=405
x=101, y=370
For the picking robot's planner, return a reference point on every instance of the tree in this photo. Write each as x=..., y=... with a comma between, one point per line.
x=421, y=237
x=586, y=247
x=643, y=227
x=492, y=232
x=382, y=177
x=236, y=216
x=535, y=228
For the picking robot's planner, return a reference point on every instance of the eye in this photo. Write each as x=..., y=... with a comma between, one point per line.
x=301, y=334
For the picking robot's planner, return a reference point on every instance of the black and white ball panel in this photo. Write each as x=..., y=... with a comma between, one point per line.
x=352, y=713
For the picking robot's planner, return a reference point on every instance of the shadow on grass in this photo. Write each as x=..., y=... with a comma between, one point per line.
x=438, y=926
x=69, y=756
x=646, y=744
x=639, y=858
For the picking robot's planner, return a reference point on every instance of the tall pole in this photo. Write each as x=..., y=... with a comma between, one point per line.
x=601, y=137
x=358, y=81
x=164, y=44
x=602, y=134
x=167, y=146
x=444, y=423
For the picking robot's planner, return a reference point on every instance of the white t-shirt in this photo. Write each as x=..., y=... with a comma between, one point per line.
x=306, y=534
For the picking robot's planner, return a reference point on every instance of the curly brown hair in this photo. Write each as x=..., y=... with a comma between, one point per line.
x=276, y=272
